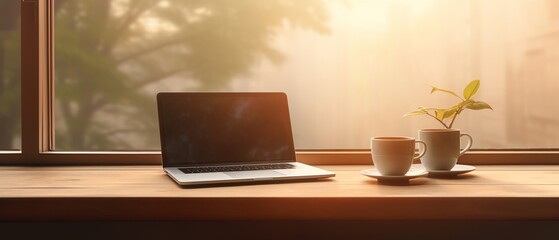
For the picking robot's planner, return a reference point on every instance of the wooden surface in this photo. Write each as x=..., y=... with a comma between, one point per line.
x=146, y=193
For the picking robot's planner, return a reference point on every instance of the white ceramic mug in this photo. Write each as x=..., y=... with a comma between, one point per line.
x=444, y=148
x=393, y=156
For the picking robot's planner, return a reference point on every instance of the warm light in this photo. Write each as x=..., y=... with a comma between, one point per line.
x=164, y=4
x=156, y=25
x=374, y=14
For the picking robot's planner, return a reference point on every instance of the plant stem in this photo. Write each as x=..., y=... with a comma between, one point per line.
x=454, y=118
x=444, y=124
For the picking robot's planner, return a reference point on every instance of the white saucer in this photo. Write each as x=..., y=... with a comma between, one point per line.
x=457, y=169
x=416, y=170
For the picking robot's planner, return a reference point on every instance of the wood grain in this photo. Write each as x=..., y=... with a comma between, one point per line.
x=146, y=193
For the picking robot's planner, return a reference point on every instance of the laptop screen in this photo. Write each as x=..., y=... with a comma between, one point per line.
x=223, y=128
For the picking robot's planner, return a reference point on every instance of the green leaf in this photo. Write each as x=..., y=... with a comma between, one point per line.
x=464, y=103
x=440, y=113
x=450, y=112
x=415, y=113
x=478, y=105
x=436, y=89
x=471, y=89
x=427, y=108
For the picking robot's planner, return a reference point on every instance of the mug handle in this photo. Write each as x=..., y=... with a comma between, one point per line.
x=470, y=142
x=422, y=152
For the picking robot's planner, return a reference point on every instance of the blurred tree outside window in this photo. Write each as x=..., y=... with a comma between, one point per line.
x=10, y=75
x=112, y=56
x=351, y=68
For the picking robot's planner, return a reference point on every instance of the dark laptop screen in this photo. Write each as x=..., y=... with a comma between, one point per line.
x=217, y=128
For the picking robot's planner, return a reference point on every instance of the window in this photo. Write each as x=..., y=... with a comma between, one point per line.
x=351, y=69
x=10, y=75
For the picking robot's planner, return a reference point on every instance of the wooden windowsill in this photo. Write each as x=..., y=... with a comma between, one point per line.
x=528, y=192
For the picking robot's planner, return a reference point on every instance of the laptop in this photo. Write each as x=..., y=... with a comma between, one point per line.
x=211, y=138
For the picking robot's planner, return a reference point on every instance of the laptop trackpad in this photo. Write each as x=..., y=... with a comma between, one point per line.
x=254, y=174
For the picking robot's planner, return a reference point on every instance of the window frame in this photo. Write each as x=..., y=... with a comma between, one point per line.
x=37, y=101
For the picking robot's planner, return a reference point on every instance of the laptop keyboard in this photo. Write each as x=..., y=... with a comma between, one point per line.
x=236, y=168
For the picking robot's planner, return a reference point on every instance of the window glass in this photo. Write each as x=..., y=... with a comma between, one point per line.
x=10, y=75
x=351, y=68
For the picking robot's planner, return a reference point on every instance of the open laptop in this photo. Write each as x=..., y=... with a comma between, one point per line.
x=209, y=138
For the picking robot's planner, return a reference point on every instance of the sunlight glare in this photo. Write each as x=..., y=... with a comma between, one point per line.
x=373, y=14
x=164, y=4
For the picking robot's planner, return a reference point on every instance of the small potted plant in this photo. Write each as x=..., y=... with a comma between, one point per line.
x=443, y=145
